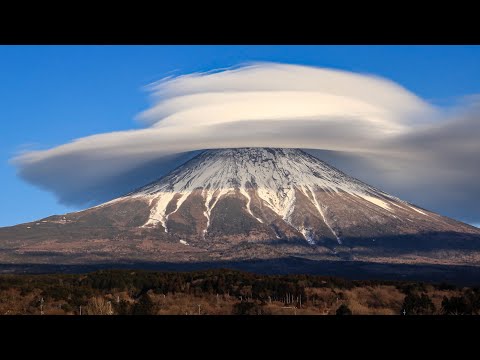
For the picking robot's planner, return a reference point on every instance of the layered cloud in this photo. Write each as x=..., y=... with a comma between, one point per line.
x=368, y=126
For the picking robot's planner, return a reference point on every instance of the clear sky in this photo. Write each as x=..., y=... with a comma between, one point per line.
x=50, y=95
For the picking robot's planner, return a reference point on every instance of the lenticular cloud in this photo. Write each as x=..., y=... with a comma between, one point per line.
x=285, y=92
x=346, y=114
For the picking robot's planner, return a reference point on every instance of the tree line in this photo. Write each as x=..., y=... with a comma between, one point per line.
x=248, y=288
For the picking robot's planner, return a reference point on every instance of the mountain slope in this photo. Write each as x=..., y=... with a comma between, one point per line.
x=248, y=203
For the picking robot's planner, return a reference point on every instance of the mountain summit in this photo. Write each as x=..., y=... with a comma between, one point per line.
x=248, y=203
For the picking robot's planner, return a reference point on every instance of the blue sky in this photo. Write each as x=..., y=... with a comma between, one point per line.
x=50, y=95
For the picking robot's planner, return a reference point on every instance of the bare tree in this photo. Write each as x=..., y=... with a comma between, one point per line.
x=98, y=306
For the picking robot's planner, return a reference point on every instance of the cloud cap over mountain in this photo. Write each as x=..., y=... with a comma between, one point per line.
x=404, y=144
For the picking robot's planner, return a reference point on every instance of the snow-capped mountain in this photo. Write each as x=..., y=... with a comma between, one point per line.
x=286, y=187
x=250, y=203
x=278, y=179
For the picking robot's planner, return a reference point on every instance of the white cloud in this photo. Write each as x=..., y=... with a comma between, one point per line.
x=405, y=139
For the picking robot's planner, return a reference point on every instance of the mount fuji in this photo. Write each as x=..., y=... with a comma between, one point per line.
x=247, y=204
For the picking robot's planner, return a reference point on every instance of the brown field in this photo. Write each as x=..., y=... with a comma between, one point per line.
x=224, y=292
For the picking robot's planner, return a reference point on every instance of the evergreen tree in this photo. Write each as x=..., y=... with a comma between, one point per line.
x=456, y=305
x=418, y=305
x=123, y=308
x=144, y=306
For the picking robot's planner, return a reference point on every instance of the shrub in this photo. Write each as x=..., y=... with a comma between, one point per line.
x=249, y=308
x=67, y=308
x=98, y=306
x=343, y=310
x=144, y=306
x=123, y=308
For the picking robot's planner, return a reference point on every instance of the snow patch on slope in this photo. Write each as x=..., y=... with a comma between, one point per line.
x=417, y=210
x=245, y=193
x=322, y=214
x=376, y=201
x=158, y=212
x=307, y=234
